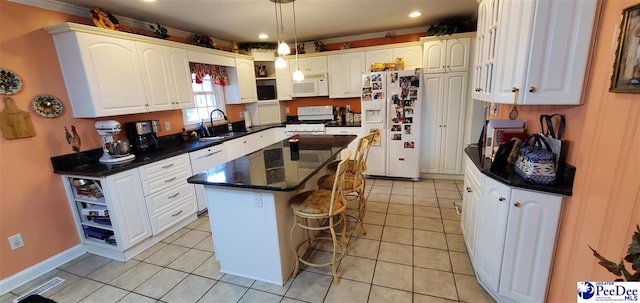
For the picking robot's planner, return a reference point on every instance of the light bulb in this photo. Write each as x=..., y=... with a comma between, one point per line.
x=280, y=63
x=298, y=75
x=283, y=49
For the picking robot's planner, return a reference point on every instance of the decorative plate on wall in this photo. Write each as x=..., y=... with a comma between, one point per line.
x=47, y=106
x=10, y=83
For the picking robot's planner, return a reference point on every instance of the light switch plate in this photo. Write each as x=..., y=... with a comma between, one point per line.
x=167, y=126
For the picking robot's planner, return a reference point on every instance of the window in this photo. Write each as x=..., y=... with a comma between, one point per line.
x=207, y=98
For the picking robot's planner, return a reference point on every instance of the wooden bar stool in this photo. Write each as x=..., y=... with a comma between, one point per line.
x=354, y=183
x=333, y=165
x=326, y=208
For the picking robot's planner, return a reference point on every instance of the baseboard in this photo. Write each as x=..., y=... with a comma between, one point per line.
x=35, y=271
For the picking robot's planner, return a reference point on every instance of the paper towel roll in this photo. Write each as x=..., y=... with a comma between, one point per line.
x=247, y=119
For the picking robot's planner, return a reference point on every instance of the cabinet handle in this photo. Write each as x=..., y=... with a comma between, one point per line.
x=532, y=89
x=244, y=141
x=501, y=199
x=469, y=189
x=176, y=213
x=173, y=196
x=147, y=105
x=213, y=153
x=514, y=89
x=167, y=166
x=443, y=66
x=170, y=179
x=479, y=89
x=517, y=204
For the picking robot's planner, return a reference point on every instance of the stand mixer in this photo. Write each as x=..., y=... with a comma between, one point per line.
x=114, y=151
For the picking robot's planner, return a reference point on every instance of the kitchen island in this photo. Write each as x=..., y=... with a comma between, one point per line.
x=248, y=202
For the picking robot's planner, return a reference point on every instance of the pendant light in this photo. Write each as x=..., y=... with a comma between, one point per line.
x=297, y=75
x=280, y=63
x=283, y=47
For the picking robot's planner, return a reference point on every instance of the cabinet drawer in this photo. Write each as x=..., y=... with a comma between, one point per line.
x=162, y=168
x=472, y=171
x=159, y=201
x=152, y=186
x=173, y=215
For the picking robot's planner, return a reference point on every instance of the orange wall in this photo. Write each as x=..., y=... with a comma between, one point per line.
x=32, y=197
x=604, y=145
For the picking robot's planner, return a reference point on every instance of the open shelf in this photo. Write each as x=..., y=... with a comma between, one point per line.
x=97, y=225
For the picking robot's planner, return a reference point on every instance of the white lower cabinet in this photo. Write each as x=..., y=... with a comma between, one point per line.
x=515, y=237
x=168, y=196
x=473, y=182
x=202, y=160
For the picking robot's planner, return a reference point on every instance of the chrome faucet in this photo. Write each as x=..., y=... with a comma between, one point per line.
x=211, y=117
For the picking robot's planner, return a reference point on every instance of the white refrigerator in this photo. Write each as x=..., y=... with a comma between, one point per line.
x=391, y=107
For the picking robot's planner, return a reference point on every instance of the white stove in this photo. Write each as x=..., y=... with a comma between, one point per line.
x=312, y=120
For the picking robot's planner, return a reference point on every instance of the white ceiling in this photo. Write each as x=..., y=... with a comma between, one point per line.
x=243, y=20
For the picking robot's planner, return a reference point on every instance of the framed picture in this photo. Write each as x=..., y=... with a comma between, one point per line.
x=626, y=68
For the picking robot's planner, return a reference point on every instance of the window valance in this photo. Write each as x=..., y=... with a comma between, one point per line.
x=217, y=73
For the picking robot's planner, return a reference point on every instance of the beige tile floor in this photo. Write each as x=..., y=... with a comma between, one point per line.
x=413, y=252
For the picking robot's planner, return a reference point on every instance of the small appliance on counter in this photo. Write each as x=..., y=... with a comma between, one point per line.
x=114, y=151
x=142, y=134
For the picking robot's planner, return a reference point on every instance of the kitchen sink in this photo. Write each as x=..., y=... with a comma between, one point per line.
x=223, y=136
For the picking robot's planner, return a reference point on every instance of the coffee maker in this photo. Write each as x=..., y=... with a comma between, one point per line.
x=142, y=134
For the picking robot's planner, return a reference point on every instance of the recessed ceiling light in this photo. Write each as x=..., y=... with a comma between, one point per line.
x=263, y=36
x=415, y=14
x=149, y=0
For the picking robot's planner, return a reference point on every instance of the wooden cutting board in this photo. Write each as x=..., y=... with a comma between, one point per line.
x=14, y=122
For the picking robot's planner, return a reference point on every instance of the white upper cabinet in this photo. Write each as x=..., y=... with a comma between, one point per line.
x=242, y=83
x=412, y=56
x=310, y=65
x=379, y=55
x=102, y=74
x=451, y=55
x=178, y=60
x=156, y=75
x=345, y=74
x=543, y=47
x=166, y=75
x=485, y=54
x=283, y=82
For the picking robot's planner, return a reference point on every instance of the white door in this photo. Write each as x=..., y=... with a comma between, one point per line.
x=529, y=245
x=283, y=82
x=354, y=68
x=338, y=71
x=113, y=74
x=458, y=55
x=179, y=71
x=157, y=76
x=246, y=80
x=453, y=111
x=559, y=50
x=431, y=123
x=131, y=221
x=202, y=160
x=491, y=230
x=434, y=57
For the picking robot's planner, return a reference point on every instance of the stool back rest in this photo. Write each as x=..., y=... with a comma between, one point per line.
x=369, y=138
x=337, y=193
x=359, y=166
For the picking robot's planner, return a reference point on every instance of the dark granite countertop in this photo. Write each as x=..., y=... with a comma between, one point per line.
x=564, y=175
x=276, y=167
x=86, y=163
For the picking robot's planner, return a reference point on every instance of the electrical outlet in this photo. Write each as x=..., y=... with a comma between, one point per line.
x=167, y=126
x=258, y=200
x=16, y=241
x=286, y=109
x=348, y=107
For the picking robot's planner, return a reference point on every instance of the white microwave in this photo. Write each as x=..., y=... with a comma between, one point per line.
x=313, y=85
